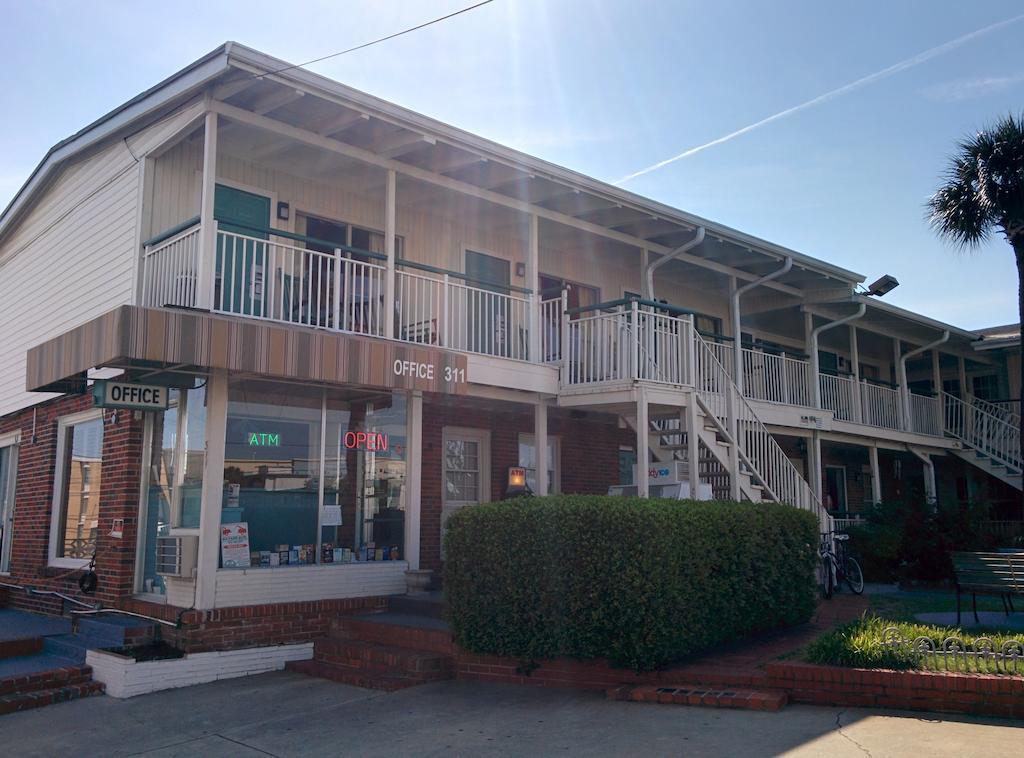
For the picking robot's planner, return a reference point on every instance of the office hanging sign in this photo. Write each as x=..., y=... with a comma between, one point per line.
x=109, y=394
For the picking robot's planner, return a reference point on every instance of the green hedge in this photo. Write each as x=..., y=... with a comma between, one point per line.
x=640, y=582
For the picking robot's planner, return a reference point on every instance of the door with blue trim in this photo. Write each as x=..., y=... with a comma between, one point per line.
x=242, y=222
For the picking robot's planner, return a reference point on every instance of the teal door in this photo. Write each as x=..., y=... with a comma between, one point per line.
x=241, y=260
x=489, y=327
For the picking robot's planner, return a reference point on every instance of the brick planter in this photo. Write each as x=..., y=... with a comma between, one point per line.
x=979, y=694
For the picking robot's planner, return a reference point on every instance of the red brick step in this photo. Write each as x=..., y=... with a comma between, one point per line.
x=373, y=680
x=701, y=695
x=371, y=656
x=23, y=701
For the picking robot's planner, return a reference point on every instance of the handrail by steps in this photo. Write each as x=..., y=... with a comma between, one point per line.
x=768, y=463
x=982, y=431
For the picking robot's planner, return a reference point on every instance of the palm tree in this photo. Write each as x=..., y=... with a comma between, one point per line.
x=984, y=193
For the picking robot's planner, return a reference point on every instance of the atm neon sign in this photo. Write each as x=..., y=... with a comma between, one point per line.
x=264, y=439
x=375, y=441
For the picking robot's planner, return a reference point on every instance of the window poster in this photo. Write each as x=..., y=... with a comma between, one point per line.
x=234, y=545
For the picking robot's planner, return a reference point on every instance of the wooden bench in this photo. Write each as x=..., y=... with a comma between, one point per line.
x=1000, y=574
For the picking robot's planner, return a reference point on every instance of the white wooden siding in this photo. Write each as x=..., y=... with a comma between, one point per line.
x=298, y=583
x=71, y=257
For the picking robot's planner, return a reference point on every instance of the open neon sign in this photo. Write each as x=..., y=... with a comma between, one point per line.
x=375, y=441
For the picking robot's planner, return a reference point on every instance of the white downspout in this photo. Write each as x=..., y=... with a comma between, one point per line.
x=649, y=271
x=930, y=493
x=902, y=376
x=813, y=349
x=737, y=331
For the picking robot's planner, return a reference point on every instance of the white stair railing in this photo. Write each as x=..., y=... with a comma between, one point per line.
x=982, y=431
x=925, y=415
x=767, y=462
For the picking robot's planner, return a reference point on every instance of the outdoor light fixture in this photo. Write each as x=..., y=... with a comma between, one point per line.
x=516, y=482
x=282, y=211
x=882, y=285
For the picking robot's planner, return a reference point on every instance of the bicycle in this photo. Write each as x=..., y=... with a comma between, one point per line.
x=837, y=565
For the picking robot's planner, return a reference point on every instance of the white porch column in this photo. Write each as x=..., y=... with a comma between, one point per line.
x=936, y=373
x=540, y=445
x=643, y=454
x=814, y=463
x=208, y=243
x=855, y=362
x=533, y=283
x=389, y=250
x=876, y=478
x=213, y=489
x=901, y=383
x=414, y=476
x=814, y=390
x=689, y=422
x=962, y=373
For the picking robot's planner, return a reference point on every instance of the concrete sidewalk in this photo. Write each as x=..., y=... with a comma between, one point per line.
x=285, y=714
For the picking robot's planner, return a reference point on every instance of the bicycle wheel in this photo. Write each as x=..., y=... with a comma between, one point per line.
x=826, y=578
x=854, y=576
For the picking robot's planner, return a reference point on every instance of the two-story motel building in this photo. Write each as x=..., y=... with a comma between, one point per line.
x=361, y=318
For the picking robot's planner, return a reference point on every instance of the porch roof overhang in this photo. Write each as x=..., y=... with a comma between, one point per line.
x=274, y=92
x=131, y=337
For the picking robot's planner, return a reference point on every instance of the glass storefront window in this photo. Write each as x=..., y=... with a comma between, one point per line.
x=364, y=475
x=272, y=471
x=177, y=453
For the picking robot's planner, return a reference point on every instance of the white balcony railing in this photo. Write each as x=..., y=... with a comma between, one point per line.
x=265, y=279
x=437, y=308
x=837, y=395
x=626, y=343
x=775, y=378
x=880, y=406
x=169, y=270
x=551, y=315
x=925, y=415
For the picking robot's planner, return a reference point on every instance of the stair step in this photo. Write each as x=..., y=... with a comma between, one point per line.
x=399, y=630
x=41, y=672
x=429, y=604
x=354, y=677
x=701, y=695
x=22, y=647
x=370, y=656
x=23, y=701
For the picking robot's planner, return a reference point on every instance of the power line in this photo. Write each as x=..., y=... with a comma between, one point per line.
x=376, y=41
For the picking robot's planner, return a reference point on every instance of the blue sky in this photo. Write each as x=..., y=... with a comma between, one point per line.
x=608, y=87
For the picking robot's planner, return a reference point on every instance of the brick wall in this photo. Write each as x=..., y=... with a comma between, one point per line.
x=119, y=498
x=252, y=625
x=589, y=449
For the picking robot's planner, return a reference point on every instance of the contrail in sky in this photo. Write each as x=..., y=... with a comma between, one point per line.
x=916, y=60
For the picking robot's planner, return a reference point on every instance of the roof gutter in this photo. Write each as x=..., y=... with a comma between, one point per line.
x=813, y=348
x=649, y=270
x=737, y=330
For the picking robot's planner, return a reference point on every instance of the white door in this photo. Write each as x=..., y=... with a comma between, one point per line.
x=8, y=472
x=467, y=469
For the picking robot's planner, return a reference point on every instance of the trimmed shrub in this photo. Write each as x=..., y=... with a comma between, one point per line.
x=640, y=582
x=912, y=541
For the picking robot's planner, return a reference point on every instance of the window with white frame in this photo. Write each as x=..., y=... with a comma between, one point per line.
x=528, y=461
x=463, y=469
x=8, y=474
x=78, y=484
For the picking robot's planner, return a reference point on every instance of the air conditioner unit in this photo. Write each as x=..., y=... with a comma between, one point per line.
x=176, y=556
